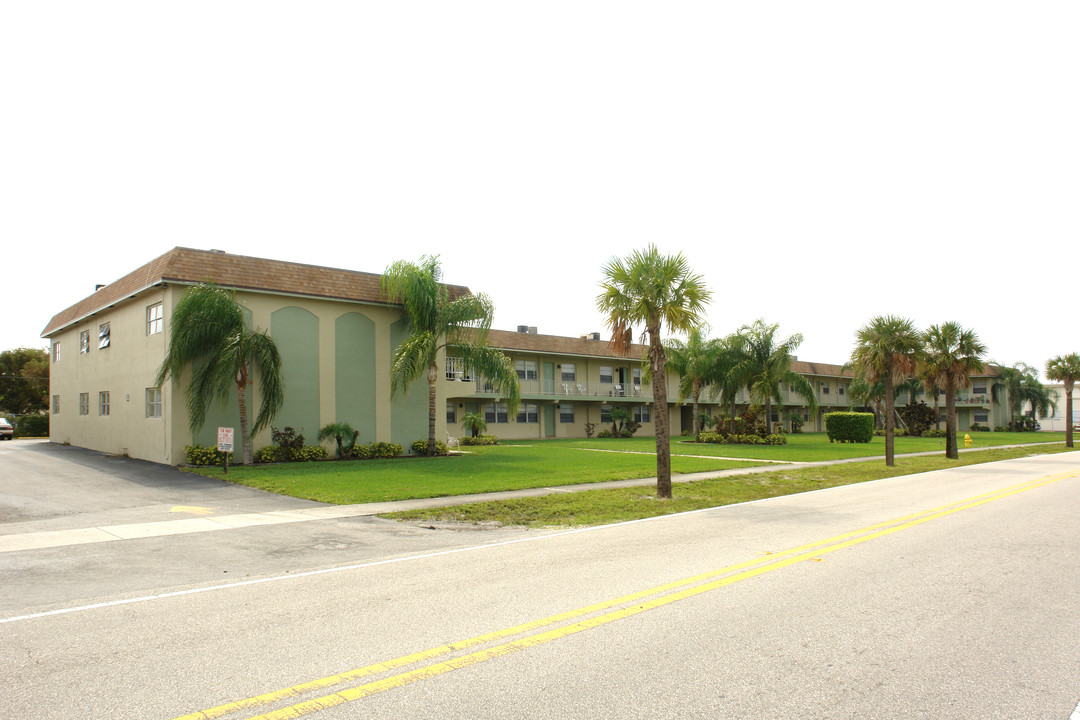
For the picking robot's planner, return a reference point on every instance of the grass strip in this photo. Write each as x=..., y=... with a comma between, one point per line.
x=603, y=506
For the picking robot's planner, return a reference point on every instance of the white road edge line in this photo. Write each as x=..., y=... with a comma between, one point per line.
x=327, y=571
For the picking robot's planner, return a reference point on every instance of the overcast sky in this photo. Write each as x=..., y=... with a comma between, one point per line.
x=817, y=162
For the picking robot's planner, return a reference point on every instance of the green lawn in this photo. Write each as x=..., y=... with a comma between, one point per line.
x=517, y=465
x=511, y=466
x=604, y=506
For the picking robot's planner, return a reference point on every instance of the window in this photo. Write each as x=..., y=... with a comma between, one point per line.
x=981, y=417
x=56, y=404
x=103, y=336
x=526, y=369
x=978, y=389
x=566, y=412
x=637, y=378
x=84, y=403
x=103, y=402
x=153, y=402
x=456, y=370
x=605, y=413
x=154, y=319
x=528, y=414
x=824, y=388
x=569, y=372
x=84, y=342
x=451, y=413
x=56, y=351
x=606, y=376
x=641, y=414
x=495, y=413
x=839, y=389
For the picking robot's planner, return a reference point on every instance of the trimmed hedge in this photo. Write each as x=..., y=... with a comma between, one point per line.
x=743, y=439
x=479, y=440
x=277, y=453
x=849, y=427
x=32, y=426
x=420, y=448
x=376, y=450
x=203, y=455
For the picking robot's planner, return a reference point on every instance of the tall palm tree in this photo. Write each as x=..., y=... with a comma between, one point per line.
x=207, y=332
x=696, y=362
x=951, y=354
x=1040, y=397
x=1065, y=369
x=733, y=351
x=886, y=349
x=653, y=290
x=436, y=322
x=1020, y=383
x=767, y=368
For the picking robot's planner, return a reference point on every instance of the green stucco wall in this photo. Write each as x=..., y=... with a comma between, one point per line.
x=296, y=332
x=354, y=374
x=408, y=408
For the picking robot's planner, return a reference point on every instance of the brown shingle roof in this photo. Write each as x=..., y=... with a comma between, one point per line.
x=553, y=344
x=184, y=265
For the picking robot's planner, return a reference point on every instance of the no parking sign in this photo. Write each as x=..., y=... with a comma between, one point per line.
x=225, y=439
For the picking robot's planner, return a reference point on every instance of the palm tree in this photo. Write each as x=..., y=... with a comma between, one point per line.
x=868, y=394
x=950, y=355
x=207, y=332
x=696, y=361
x=436, y=323
x=343, y=435
x=1039, y=396
x=733, y=351
x=654, y=290
x=886, y=349
x=767, y=367
x=1020, y=382
x=1065, y=369
x=474, y=422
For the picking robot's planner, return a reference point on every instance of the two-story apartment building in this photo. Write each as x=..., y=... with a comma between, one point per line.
x=336, y=334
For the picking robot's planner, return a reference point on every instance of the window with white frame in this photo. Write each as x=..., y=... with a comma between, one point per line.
x=637, y=378
x=457, y=370
x=495, y=413
x=526, y=369
x=605, y=413
x=104, y=334
x=528, y=413
x=155, y=319
x=606, y=375
x=56, y=351
x=641, y=414
x=566, y=413
x=84, y=403
x=824, y=388
x=451, y=413
x=56, y=404
x=84, y=342
x=153, y=402
x=569, y=372
x=103, y=402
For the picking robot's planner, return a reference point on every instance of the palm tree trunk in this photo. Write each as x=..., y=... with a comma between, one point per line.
x=1068, y=416
x=660, y=407
x=890, y=425
x=768, y=415
x=951, y=450
x=937, y=412
x=697, y=410
x=432, y=378
x=245, y=435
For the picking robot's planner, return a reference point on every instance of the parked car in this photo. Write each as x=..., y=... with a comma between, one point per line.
x=6, y=431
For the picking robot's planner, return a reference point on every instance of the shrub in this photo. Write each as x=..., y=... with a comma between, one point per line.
x=918, y=418
x=590, y=428
x=288, y=442
x=796, y=424
x=360, y=452
x=980, y=428
x=266, y=454
x=743, y=438
x=480, y=440
x=935, y=433
x=203, y=455
x=384, y=450
x=710, y=437
x=420, y=448
x=604, y=434
x=32, y=426
x=849, y=426
x=1000, y=428
x=341, y=433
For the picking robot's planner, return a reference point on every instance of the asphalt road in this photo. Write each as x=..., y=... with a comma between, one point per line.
x=945, y=595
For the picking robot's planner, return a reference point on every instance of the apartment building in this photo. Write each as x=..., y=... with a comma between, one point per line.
x=337, y=334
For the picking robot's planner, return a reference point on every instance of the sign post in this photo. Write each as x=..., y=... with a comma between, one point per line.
x=225, y=444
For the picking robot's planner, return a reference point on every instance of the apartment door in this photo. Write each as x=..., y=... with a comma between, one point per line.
x=549, y=378
x=549, y=420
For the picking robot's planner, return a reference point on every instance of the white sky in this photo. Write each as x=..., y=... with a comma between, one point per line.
x=817, y=162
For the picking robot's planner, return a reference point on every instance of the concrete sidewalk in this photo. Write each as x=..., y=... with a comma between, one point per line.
x=133, y=531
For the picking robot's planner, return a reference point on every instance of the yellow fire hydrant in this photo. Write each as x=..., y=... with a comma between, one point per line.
x=967, y=440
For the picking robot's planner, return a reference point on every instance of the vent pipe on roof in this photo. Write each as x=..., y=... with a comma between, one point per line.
x=523, y=328
x=98, y=287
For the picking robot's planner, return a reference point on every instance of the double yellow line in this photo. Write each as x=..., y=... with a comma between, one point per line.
x=634, y=603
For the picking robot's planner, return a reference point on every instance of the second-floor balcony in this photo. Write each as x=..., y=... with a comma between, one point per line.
x=557, y=388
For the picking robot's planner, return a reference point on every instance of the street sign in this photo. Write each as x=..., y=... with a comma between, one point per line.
x=225, y=439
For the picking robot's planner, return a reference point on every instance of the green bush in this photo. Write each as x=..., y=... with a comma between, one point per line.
x=384, y=450
x=977, y=427
x=266, y=454
x=604, y=434
x=710, y=437
x=1000, y=428
x=360, y=452
x=743, y=438
x=276, y=453
x=32, y=426
x=480, y=440
x=420, y=448
x=935, y=433
x=918, y=418
x=897, y=432
x=203, y=455
x=849, y=427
